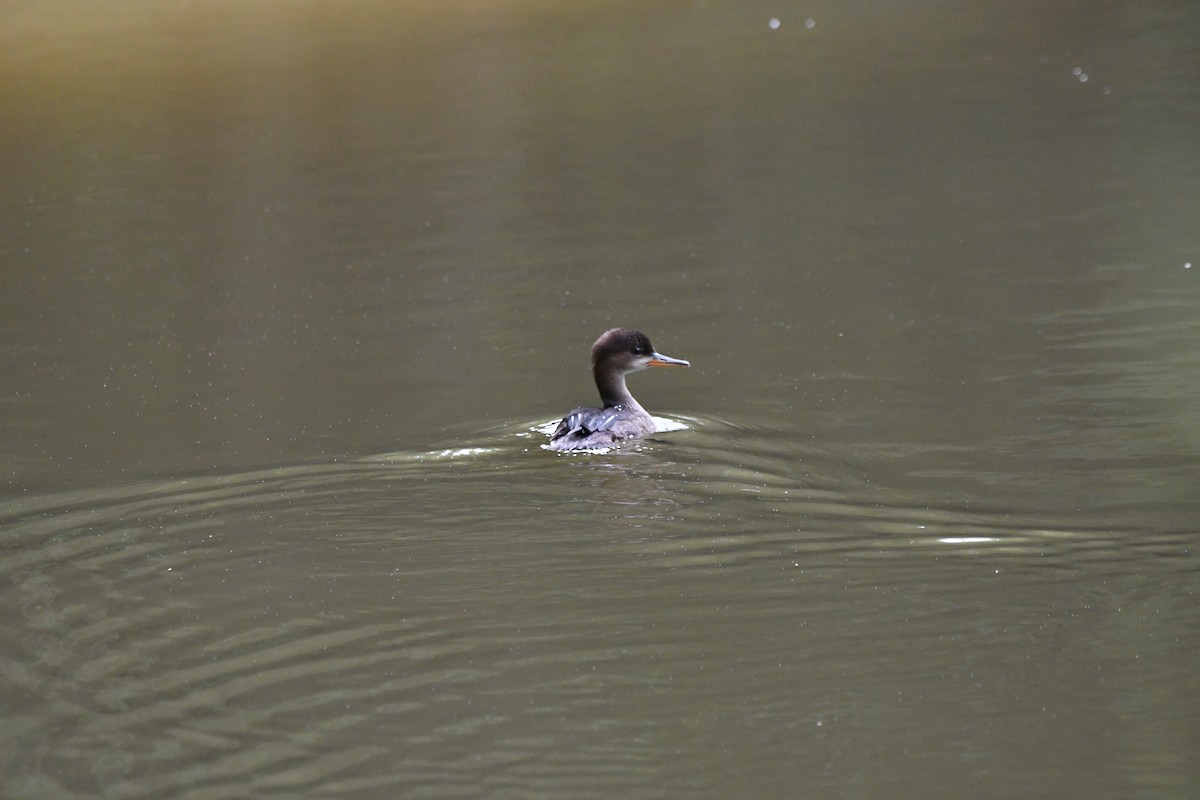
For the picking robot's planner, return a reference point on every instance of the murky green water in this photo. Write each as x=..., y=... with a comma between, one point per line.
x=289, y=290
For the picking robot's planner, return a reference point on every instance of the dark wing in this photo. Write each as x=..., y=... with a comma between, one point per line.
x=584, y=421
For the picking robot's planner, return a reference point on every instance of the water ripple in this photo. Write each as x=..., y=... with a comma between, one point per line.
x=469, y=616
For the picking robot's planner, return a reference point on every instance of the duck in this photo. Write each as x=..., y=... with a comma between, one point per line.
x=615, y=354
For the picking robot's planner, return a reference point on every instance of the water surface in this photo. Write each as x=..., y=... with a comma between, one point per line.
x=290, y=291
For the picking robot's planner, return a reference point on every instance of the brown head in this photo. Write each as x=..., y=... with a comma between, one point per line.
x=623, y=350
x=618, y=352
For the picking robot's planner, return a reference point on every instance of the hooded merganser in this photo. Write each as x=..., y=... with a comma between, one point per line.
x=615, y=353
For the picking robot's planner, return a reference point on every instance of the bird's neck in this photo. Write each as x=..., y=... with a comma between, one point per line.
x=613, y=391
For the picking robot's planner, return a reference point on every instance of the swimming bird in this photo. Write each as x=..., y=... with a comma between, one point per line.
x=614, y=355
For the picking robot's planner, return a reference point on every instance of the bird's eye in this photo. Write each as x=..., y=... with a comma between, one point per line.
x=637, y=350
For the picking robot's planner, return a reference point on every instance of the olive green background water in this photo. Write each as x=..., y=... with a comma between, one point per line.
x=288, y=289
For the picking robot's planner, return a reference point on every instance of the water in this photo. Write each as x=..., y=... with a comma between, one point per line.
x=290, y=292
